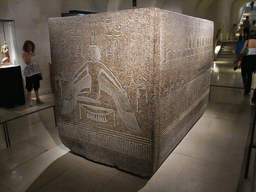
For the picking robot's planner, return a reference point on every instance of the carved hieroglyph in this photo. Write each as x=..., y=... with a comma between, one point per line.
x=129, y=84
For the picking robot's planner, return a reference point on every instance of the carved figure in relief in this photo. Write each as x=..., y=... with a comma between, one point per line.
x=85, y=87
x=137, y=88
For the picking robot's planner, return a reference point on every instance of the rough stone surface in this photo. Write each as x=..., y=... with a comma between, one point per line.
x=129, y=84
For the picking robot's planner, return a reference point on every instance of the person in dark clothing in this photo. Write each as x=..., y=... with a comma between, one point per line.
x=252, y=4
x=248, y=62
x=246, y=25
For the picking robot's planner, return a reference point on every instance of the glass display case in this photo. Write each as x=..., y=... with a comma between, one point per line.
x=11, y=82
x=8, y=43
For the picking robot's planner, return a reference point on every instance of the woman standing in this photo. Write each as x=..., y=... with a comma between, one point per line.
x=248, y=64
x=32, y=71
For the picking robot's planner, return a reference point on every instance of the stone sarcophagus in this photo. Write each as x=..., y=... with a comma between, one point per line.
x=129, y=84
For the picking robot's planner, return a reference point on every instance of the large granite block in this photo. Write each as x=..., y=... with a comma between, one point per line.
x=129, y=84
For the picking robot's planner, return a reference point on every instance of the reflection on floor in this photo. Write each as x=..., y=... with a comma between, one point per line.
x=209, y=158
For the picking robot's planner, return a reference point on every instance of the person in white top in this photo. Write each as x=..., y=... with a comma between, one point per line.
x=32, y=71
x=248, y=64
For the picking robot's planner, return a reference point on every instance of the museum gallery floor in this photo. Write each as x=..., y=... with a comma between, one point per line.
x=129, y=84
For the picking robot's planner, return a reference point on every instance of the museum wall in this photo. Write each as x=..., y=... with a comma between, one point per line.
x=81, y=5
x=219, y=11
x=31, y=21
x=129, y=86
x=113, y=5
x=237, y=7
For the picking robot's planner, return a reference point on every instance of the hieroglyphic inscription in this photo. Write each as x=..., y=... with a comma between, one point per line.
x=186, y=53
x=121, y=51
x=126, y=78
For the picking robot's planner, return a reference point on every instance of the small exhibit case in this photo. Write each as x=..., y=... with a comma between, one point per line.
x=8, y=43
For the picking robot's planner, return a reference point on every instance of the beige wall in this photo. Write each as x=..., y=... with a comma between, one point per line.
x=31, y=21
x=78, y=5
x=223, y=12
